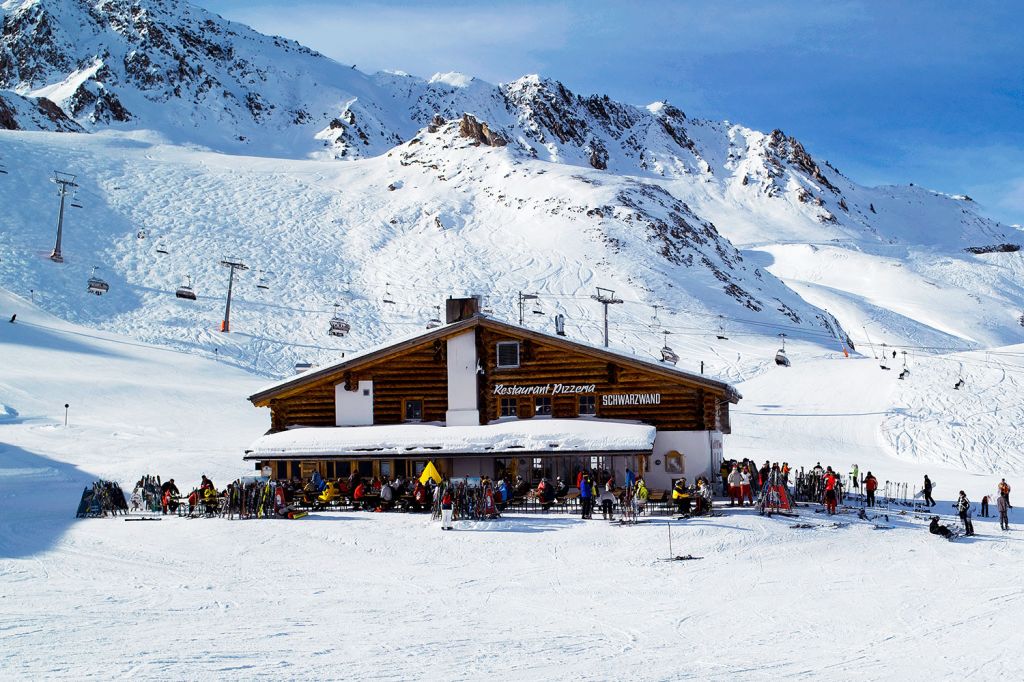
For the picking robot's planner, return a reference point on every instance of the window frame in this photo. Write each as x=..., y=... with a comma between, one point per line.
x=511, y=402
x=536, y=406
x=579, y=405
x=405, y=410
x=497, y=354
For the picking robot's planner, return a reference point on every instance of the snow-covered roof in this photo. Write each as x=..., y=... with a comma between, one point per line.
x=528, y=435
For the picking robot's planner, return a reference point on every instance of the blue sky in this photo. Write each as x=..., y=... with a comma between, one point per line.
x=893, y=91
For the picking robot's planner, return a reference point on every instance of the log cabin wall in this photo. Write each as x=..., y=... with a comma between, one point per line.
x=682, y=407
x=420, y=373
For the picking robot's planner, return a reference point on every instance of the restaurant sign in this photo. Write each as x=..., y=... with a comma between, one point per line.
x=607, y=399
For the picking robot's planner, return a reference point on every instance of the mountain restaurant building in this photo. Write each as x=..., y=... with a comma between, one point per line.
x=479, y=397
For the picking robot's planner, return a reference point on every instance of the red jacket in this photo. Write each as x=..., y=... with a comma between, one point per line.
x=870, y=483
x=360, y=492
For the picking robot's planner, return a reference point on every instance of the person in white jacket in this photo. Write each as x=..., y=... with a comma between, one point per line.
x=735, y=487
x=745, y=489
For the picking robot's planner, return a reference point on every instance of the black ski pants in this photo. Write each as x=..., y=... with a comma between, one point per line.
x=928, y=498
x=1004, y=521
x=871, y=498
x=968, y=526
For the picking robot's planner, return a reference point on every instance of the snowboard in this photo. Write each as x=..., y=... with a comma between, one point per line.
x=919, y=495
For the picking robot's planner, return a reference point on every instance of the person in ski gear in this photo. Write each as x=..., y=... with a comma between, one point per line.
x=746, y=487
x=608, y=499
x=503, y=492
x=420, y=497
x=387, y=496
x=855, y=477
x=586, y=496
x=735, y=487
x=359, y=494
x=703, y=497
x=1004, y=491
x=329, y=494
x=630, y=478
x=446, y=509
x=681, y=496
x=545, y=494
x=984, y=506
x=522, y=487
x=1002, y=506
x=206, y=483
x=169, y=494
x=963, y=507
x=935, y=528
x=641, y=495
x=870, y=486
x=561, y=489
x=817, y=470
x=830, y=492
x=928, y=491
x=318, y=482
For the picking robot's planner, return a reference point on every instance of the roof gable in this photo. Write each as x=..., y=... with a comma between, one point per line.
x=377, y=354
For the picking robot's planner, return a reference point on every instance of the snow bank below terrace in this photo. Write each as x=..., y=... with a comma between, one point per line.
x=535, y=435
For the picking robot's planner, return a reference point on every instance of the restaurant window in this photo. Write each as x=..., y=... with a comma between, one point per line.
x=385, y=468
x=537, y=470
x=330, y=470
x=509, y=407
x=542, y=406
x=508, y=354
x=588, y=405
x=413, y=410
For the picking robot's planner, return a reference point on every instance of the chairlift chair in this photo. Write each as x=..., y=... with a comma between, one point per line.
x=185, y=291
x=537, y=310
x=339, y=327
x=161, y=248
x=96, y=285
x=959, y=384
x=882, y=362
x=781, y=359
x=905, y=372
x=387, y=294
x=721, y=333
x=262, y=283
x=667, y=354
x=141, y=234
x=301, y=367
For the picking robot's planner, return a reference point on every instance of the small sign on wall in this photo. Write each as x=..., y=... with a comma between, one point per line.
x=675, y=462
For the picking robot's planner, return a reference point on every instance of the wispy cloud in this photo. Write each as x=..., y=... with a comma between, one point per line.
x=492, y=42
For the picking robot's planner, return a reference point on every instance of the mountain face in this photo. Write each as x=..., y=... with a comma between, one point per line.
x=454, y=184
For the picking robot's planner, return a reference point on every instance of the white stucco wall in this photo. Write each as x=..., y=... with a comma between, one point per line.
x=353, y=408
x=462, y=389
x=696, y=448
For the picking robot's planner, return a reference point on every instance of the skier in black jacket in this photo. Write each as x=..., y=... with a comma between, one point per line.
x=928, y=491
x=937, y=529
x=963, y=507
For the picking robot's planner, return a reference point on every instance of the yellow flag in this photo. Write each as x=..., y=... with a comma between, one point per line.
x=430, y=472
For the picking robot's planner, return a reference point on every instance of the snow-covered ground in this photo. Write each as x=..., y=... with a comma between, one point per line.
x=389, y=596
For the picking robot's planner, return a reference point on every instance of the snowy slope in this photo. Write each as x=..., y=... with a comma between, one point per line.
x=530, y=595
x=459, y=219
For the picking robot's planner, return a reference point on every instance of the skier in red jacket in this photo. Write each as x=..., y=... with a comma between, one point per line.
x=830, y=492
x=870, y=486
